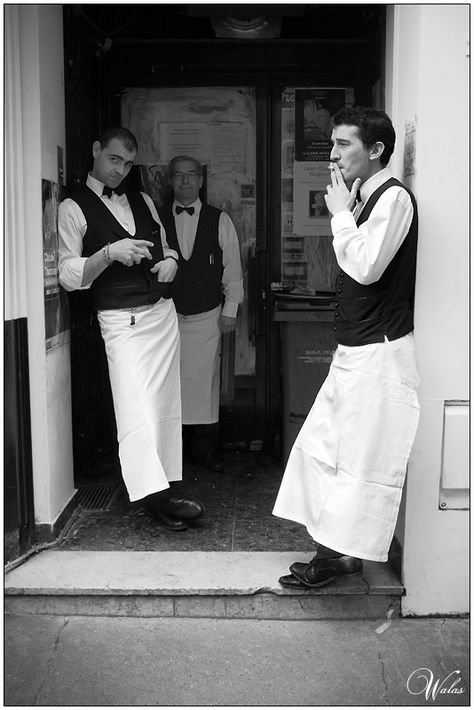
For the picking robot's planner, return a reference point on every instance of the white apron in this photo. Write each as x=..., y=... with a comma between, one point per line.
x=200, y=366
x=345, y=473
x=143, y=364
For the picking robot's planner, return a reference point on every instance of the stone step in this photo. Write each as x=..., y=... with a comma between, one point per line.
x=235, y=585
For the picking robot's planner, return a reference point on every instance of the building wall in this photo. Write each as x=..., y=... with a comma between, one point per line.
x=427, y=83
x=41, y=130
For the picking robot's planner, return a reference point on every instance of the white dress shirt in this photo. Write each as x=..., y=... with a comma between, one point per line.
x=232, y=280
x=365, y=251
x=72, y=226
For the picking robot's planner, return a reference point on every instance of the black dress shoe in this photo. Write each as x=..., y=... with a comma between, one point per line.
x=164, y=520
x=182, y=508
x=320, y=572
x=291, y=582
x=323, y=553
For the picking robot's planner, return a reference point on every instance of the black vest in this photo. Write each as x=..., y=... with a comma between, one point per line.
x=121, y=286
x=197, y=286
x=366, y=314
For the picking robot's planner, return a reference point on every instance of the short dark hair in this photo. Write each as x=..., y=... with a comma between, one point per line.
x=123, y=134
x=373, y=125
x=179, y=158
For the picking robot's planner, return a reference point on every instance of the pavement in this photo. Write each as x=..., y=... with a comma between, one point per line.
x=116, y=661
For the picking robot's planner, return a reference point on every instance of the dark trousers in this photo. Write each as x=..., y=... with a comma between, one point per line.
x=200, y=440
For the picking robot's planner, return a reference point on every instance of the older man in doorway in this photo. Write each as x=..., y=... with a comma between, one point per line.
x=207, y=291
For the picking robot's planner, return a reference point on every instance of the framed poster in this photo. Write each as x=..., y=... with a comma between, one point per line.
x=314, y=110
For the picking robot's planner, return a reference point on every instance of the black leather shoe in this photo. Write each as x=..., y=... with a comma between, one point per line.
x=323, y=553
x=291, y=582
x=320, y=572
x=164, y=520
x=182, y=508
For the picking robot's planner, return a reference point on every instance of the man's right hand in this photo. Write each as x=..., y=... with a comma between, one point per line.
x=130, y=251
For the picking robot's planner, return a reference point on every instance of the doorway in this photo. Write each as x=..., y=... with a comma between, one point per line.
x=169, y=52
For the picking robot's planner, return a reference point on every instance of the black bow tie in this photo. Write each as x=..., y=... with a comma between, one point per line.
x=189, y=210
x=108, y=191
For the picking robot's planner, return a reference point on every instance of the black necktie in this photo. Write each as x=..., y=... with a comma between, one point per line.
x=358, y=196
x=189, y=210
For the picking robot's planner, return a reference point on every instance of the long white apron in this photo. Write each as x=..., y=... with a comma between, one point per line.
x=345, y=473
x=200, y=366
x=143, y=362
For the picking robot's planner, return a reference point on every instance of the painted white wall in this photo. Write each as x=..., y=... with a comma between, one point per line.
x=42, y=124
x=427, y=81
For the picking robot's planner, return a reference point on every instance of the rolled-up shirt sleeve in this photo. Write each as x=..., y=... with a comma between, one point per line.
x=167, y=252
x=232, y=279
x=71, y=229
x=365, y=251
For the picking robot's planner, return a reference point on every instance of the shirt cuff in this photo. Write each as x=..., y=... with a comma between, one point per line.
x=230, y=309
x=167, y=253
x=71, y=273
x=342, y=220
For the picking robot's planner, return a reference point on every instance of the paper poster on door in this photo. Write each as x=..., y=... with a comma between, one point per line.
x=56, y=307
x=310, y=214
x=314, y=109
x=193, y=139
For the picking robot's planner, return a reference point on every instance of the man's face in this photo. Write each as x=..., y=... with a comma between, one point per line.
x=324, y=118
x=350, y=154
x=186, y=182
x=112, y=163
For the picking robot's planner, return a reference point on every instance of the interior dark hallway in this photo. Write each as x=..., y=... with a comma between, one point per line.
x=238, y=516
x=180, y=47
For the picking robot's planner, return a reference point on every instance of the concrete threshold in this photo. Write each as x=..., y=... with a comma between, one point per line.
x=191, y=584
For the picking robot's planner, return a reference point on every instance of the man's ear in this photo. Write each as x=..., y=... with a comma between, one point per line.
x=376, y=150
x=96, y=148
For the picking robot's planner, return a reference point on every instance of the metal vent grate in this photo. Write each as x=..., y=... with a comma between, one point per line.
x=95, y=497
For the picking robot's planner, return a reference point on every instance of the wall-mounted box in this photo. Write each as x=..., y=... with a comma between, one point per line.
x=454, y=483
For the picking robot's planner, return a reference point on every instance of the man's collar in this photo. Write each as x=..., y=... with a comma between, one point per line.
x=95, y=185
x=98, y=187
x=373, y=182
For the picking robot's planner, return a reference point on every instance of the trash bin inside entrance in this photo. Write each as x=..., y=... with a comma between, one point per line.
x=307, y=347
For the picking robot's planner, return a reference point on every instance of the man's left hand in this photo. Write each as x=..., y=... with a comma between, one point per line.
x=227, y=324
x=165, y=270
x=338, y=198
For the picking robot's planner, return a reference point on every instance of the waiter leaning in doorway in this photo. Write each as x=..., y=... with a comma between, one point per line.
x=112, y=242
x=345, y=473
x=207, y=291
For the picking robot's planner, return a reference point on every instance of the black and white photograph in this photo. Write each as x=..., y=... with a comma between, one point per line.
x=236, y=355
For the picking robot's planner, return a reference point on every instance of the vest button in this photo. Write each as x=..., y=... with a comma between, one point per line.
x=339, y=290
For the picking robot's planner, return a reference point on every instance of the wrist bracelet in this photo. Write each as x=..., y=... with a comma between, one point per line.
x=106, y=254
x=174, y=259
